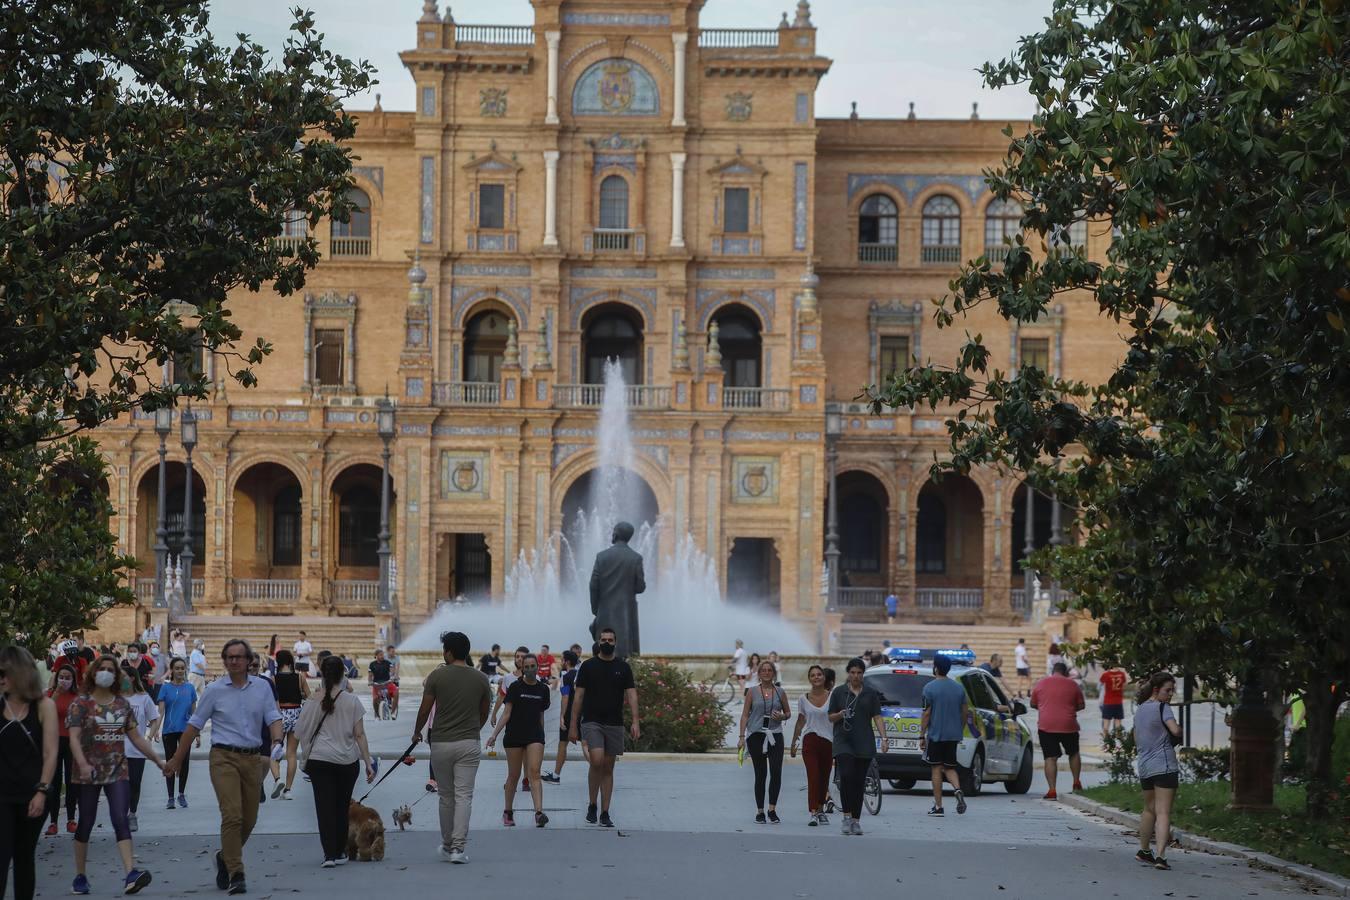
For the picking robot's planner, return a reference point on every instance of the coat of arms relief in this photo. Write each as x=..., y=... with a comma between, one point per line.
x=492, y=102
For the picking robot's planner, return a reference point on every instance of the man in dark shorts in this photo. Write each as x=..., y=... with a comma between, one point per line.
x=604, y=684
x=1113, y=682
x=566, y=689
x=945, y=713
x=1058, y=698
x=380, y=674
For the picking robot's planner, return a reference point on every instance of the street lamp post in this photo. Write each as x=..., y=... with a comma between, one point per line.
x=833, y=427
x=163, y=425
x=189, y=438
x=384, y=426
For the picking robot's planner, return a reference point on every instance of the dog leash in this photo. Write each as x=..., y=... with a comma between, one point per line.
x=392, y=768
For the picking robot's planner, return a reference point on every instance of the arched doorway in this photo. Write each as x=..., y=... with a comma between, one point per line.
x=267, y=533
x=612, y=331
x=753, y=574
x=949, y=544
x=353, y=561
x=863, y=531
x=485, y=339
x=617, y=494
x=739, y=341
x=147, y=514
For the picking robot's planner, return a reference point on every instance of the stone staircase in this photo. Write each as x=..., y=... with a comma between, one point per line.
x=355, y=635
x=985, y=640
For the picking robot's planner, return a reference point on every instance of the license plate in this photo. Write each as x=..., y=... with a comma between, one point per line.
x=898, y=745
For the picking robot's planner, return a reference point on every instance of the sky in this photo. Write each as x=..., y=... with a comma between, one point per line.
x=887, y=53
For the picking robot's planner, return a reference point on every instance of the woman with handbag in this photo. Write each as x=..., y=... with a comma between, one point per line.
x=1156, y=735
x=333, y=739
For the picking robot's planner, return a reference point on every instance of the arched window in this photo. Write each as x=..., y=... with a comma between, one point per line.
x=352, y=238
x=484, y=346
x=930, y=549
x=878, y=229
x=612, y=332
x=739, y=341
x=941, y=230
x=286, y=527
x=359, y=526
x=1002, y=223
x=614, y=202
x=1072, y=239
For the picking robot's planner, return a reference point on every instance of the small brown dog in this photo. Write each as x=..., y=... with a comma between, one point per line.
x=365, y=833
x=403, y=816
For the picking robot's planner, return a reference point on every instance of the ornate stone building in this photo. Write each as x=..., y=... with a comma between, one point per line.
x=613, y=181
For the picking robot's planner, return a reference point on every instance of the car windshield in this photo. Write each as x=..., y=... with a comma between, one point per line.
x=898, y=690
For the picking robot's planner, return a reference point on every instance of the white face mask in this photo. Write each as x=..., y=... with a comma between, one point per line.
x=103, y=678
x=133, y=656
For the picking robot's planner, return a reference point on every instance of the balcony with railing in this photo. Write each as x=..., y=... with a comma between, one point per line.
x=878, y=253
x=356, y=593
x=590, y=396
x=997, y=253
x=949, y=598
x=1019, y=601
x=466, y=393
x=267, y=590
x=738, y=38
x=612, y=240
x=755, y=398
x=862, y=597
x=349, y=246
x=937, y=254
x=290, y=243
x=498, y=35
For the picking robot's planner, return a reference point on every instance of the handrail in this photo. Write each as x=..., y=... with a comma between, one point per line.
x=349, y=246
x=861, y=597
x=590, y=396
x=466, y=393
x=874, y=253
x=729, y=38
x=949, y=598
x=508, y=35
x=755, y=398
x=265, y=589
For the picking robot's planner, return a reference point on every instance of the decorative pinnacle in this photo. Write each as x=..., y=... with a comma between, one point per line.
x=974, y=112
x=911, y=111
x=429, y=13
x=714, y=347
x=803, y=19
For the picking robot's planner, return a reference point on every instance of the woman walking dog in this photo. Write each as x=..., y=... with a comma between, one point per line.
x=523, y=720
x=334, y=739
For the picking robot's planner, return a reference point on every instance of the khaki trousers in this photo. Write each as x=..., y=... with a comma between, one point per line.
x=237, y=778
x=455, y=766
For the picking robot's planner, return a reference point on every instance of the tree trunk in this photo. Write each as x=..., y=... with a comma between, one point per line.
x=1320, y=702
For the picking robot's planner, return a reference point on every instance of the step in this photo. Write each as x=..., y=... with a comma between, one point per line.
x=355, y=636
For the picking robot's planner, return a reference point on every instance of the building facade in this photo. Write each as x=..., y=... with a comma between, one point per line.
x=613, y=181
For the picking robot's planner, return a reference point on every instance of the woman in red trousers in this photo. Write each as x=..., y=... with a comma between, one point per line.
x=818, y=743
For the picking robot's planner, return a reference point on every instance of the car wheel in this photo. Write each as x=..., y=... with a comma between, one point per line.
x=972, y=779
x=1022, y=783
x=902, y=784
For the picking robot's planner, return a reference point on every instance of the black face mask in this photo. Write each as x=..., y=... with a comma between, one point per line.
x=606, y=648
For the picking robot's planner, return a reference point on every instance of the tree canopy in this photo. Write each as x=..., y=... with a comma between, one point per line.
x=1211, y=469
x=143, y=166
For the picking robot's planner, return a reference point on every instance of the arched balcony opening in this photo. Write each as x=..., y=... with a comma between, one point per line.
x=352, y=238
x=354, y=517
x=878, y=230
x=941, y=230
x=612, y=331
x=266, y=547
x=949, y=545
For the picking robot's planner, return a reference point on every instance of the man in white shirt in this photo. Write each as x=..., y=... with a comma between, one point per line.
x=302, y=649
x=1023, y=666
x=740, y=667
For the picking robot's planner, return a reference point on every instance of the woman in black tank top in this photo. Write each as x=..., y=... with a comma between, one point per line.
x=292, y=692
x=27, y=763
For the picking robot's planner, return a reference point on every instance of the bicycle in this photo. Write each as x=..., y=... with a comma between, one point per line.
x=380, y=696
x=871, y=791
x=724, y=691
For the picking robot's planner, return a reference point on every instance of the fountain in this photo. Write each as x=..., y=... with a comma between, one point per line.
x=547, y=595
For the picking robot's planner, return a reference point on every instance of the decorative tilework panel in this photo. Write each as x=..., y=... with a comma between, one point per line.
x=808, y=394
x=492, y=242
x=428, y=101
x=414, y=387
x=806, y=531
x=616, y=87
x=727, y=273
x=974, y=186
x=412, y=522
x=428, y=204
x=375, y=174
x=708, y=300
x=757, y=435
x=803, y=108
x=616, y=160
x=611, y=272
x=492, y=271
x=649, y=19
x=754, y=480
x=293, y=415
x=799, y=211
x=464, y=476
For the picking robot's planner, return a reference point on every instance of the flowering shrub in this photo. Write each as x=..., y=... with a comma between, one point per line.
x=676, y=716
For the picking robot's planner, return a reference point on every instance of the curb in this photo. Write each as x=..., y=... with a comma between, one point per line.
x=421, y=752
x=1325, y=881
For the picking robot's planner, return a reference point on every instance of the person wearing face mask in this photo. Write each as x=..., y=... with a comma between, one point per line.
x=197, y=666
x=526, y=700
x=98, y=722
x=504, y=683
x=28, y=747
x=63, y=693
x=604, y=685
x=177, y=700
x=138, y=659
x=157, y=660
x=855, y=710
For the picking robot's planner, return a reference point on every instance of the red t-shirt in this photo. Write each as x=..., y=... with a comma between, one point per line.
x=1113, y=683
x=62, y=699
x=1057, y=700
x=78, y=663
x=546, y=661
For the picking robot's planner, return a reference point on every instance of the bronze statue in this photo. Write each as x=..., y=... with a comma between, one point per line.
x=616, y=580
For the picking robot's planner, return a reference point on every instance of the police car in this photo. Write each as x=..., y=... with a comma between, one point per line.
x=1001, y=752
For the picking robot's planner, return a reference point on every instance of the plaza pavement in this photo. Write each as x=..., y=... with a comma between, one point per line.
x=684, y=829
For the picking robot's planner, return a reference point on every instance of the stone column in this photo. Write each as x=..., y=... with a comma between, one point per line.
x=832, y=522
x=677, y=198
x=553, y=38
x=681, y=40
x=550, y=198
x=1028, y=575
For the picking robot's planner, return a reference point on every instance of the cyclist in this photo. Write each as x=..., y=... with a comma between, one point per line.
x=380, y=675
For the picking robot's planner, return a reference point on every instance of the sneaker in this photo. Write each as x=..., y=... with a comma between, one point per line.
x=71, y=827
x=508, y=818
x=329, y=864
x=431, y=786
x=286, y=795
x=773, y=817
x=222, y=873
x=1161, y=863
x=51, y=830
x=540, y=820
x=1077, y=786
x=960, y=803
x=605, y=820
x=443, y=854
x=136, y=879
x=276, y=791
x=815, y=820
x=458, y=857
x=550, y=778
x=80, y=885
x=759, y=818
x=935, y=811
x=1050, y=795
x=237, y=884
x=341, y=859
x=844, y=827
x=590, y=813
x=822, y=818
x=855, y=827
x=1145, y=856
x=182, y=802
x=132, y=824
x=170, y=804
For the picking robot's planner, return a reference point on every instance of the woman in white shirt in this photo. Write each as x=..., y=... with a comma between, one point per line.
x=818, y=748
x=333, y=739
x=147, y=720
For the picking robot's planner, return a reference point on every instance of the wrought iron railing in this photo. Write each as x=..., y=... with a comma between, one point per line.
x=349, y=246
x=509, y=35
x=279, y=589
x=878, y=253
x=466, y=393
x=949, y=598
x=755, y=398
x=729, y=38
x=639, y=396
x=940, y=253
